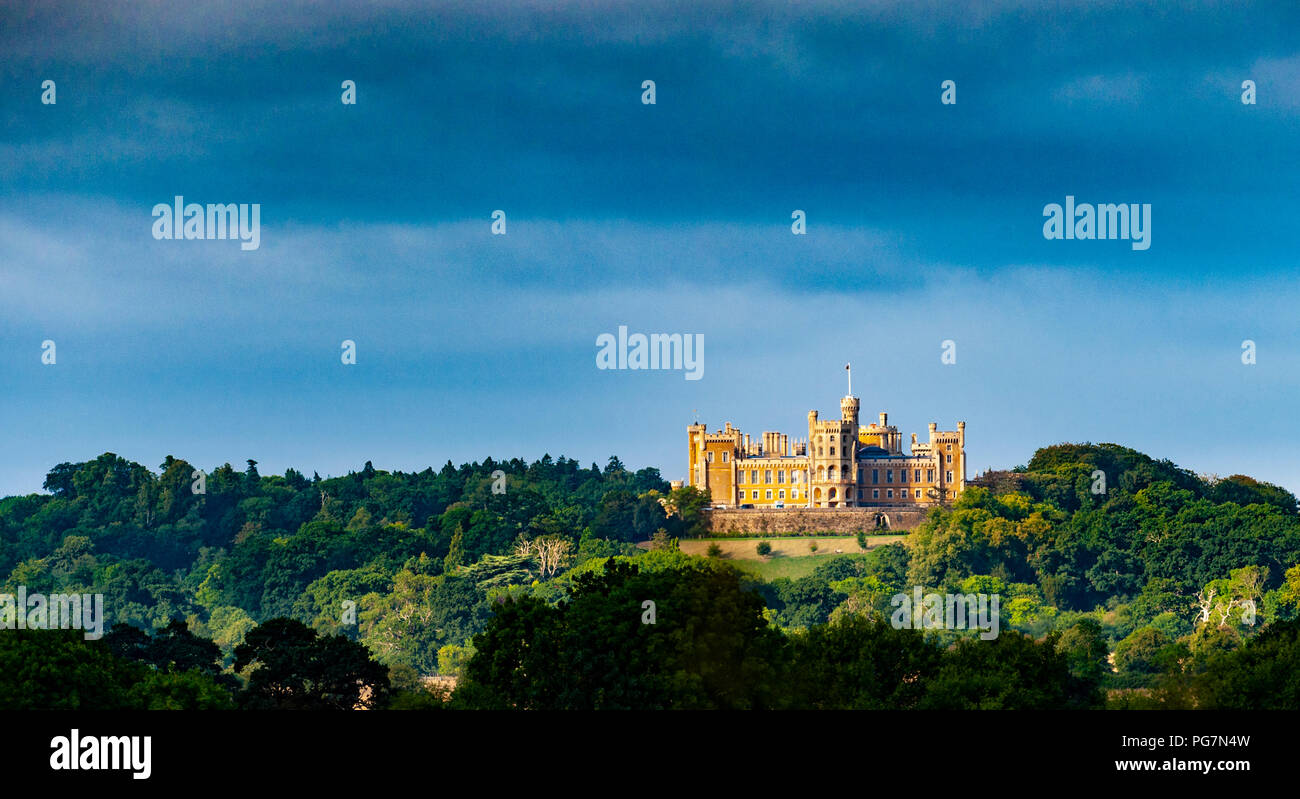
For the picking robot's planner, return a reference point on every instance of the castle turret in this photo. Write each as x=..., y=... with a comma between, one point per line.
x=849, y=410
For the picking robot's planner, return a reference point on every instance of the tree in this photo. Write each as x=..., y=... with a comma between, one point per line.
x=764, y=549
x=1010, y=672
x=709, y=647
x=1139, y=652
x=686, y=506
x=291, y=667
x=172, y=649
x=421, y=614
x=59, y=670
x=857, y=663
x=181, y=690
x=1259, y=675
x=550, y=552
x=452, y=659
x=1086, y=651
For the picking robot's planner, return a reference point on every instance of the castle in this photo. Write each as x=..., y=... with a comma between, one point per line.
x=840, y=464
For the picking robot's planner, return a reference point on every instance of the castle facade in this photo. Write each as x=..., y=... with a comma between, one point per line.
x=840, y=464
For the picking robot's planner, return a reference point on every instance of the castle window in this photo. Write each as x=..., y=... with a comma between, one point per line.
x=710, y=457
x=929, y=475
x=875, y=476
x=904, y=493
x=950, y=459
x=832, y=452
x=889, y=493
x=819, y=451
x=917, y=476
x=875, y=493
x=950, y=449
x=769, y=493
x=830, y=474
x=780, y=477
x=753, y=476
x=724, y=457
x=889, y=478
x=949, y=477
x=859, y=477
x=780, y=494
x=902, y=475
x=767, y=476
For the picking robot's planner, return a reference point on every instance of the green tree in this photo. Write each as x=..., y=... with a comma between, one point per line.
x=1261, y=674
x=1139, y=652
x=709, y=645
x=859, y=663
x=60, y=670
x=291, y=667
x=1086, y=650
x=1010, y=672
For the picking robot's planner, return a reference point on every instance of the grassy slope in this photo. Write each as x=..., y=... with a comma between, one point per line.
x=791, y=556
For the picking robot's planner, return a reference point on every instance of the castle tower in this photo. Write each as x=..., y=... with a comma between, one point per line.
x=849, y=412
x=697, y=474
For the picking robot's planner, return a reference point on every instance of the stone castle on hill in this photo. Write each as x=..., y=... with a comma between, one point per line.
x=841, y=464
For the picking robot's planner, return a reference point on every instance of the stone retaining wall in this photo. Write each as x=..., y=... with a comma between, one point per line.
x=812, y=521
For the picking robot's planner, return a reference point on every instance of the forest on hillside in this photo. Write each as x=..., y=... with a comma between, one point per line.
x=1159, y=591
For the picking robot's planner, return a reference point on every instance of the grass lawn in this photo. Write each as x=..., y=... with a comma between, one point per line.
x=792, y=556
x=769, y=570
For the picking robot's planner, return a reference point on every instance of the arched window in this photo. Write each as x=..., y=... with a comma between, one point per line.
x=831, y=495
x=830, y=474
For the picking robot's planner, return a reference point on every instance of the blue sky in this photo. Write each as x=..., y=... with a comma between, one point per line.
x=924, y=224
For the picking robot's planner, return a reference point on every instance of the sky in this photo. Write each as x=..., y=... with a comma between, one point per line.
x=924, y=225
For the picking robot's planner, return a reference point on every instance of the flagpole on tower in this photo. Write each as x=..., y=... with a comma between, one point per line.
x=850, y=371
